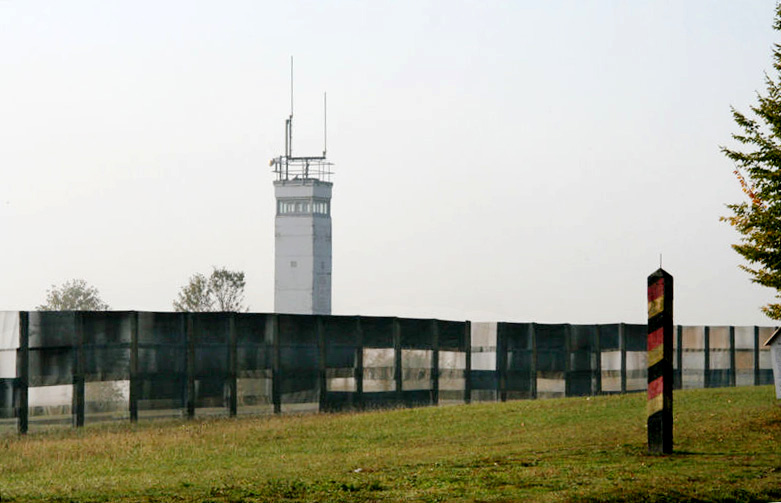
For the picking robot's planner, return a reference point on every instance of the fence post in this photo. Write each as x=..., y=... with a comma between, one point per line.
x=189, y=338
x=397, y=369
x=78, y=375
x=276, y=384
x=23, y=372
x=501, y=362
x=232, y=367
x=533, y=362
x=359, y=362
x=679, y=355
x=322, y=382
x=597, y=361
x=622, y=348
x=568, y=359
x=732, y=363
x=756, y=355
x=468, y=363
x=435, y=362
x=134, y=384
x=706, y=348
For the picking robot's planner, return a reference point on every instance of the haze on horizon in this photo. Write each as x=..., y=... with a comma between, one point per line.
x=504, y=161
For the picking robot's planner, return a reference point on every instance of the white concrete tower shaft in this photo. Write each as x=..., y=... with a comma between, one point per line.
x=302, y=264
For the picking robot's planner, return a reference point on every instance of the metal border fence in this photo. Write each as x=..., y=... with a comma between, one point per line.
x=72, y=368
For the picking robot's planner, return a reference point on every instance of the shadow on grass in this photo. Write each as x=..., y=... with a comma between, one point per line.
x=732, y=454
x=670, y=495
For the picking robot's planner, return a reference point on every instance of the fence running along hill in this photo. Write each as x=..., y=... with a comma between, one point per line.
x=76, y=367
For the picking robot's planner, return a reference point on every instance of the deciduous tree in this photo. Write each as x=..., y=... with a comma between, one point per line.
x=758, y=170
x=227, y=289
x=73, y=295
x=195, y=295
x=223, y=290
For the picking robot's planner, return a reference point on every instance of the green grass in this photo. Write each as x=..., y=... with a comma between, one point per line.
x=727, y=448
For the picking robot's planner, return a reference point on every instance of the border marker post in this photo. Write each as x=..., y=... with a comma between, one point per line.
x=660, y=363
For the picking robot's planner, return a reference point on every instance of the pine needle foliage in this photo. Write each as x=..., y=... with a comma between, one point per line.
x=758, y=170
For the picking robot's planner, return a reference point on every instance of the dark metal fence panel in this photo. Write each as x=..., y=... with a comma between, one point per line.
x=51, y=368
x=693, y=357
x=610, y=357
x=744, y=356
x=416, y=334
x=583, y=354
x=636, y=357
x=211, y=352
x=552, y=355
x=298, y=363
x=677, y=356
x=419, y=348
x=380, y=356
x=7, y=402
x=51, y=342
x=9, y=345
x=452, y=361
x=107, y=340
x=342, y=353
x=377, y=331
x=519, y=374
x=484, y=364
x=23, y=373
x=765, y=370
x=452, y=336
x=719, y=357
x=254, y=363
x=162, y=364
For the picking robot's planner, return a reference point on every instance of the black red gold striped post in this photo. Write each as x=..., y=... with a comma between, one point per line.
x=660, y=363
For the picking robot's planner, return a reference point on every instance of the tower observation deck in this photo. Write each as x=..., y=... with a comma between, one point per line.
x=302, y=228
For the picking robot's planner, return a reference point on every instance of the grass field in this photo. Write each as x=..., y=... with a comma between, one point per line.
x=727, y=448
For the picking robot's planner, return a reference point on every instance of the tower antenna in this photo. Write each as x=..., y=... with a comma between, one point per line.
x=289, y=121
x=291, y=87
x=325, y=124
x=289, y=166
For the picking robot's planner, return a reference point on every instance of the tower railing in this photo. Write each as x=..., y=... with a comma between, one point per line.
x=302, y=168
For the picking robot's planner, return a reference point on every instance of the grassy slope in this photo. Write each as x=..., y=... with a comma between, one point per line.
x=728, y=447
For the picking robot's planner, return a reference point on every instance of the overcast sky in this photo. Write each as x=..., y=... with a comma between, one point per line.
x=505, y=161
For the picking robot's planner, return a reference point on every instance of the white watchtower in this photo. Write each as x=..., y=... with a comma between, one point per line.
x=302, y=230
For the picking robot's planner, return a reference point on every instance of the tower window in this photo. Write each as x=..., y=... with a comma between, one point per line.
x=321, y=207
x=294, y=207
x=303, y=207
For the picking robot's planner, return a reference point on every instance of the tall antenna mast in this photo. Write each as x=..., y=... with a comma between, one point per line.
x=289, y=121
x=288, y=165
x=291, y=87
x=325, y=124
